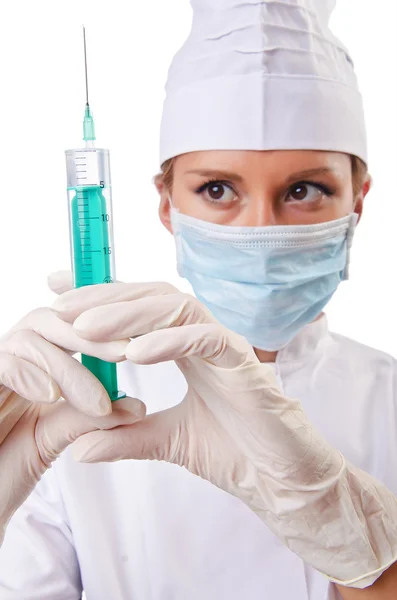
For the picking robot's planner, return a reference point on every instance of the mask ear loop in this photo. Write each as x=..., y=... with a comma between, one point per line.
x=172, y=205
x=349, y=242
x=174, y=213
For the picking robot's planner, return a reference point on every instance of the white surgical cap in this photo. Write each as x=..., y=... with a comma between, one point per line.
x=262, y=75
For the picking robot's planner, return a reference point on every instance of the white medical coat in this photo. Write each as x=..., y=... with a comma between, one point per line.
x=141, y=530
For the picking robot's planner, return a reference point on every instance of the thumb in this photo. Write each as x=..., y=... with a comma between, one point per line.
x=160, y=436
x=60, y=424
x=60, y=281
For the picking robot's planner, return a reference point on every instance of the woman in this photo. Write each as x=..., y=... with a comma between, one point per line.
x=263, y=180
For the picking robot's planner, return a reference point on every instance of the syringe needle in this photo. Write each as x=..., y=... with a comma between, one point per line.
x=88, y=124
x=85, y=61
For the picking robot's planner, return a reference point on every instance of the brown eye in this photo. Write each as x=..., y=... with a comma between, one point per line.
x=307, y=192
x=299, y=192
x=217, y=192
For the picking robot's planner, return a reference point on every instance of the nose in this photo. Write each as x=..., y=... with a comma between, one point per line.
x=260, y=212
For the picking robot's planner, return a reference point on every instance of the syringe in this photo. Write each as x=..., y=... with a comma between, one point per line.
x=91, y=227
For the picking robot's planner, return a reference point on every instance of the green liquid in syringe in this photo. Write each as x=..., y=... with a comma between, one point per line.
x=92, y=265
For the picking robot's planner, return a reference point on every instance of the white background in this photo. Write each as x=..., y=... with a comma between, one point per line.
x=130, y=45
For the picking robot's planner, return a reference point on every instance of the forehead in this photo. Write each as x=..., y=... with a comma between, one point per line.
x=263, y=161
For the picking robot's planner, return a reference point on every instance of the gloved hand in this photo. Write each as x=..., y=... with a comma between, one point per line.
x=235, y=429
x=36, y=370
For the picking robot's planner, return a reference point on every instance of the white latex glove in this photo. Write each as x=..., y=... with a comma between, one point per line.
x=235, y=429
x=36, y=370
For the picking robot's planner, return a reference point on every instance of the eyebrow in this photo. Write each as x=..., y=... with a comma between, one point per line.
x=216, y=173
x=310, y=173
x=234, y=177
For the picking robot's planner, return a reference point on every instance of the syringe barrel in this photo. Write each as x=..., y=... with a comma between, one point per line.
x=90, y=216
x=91, y=237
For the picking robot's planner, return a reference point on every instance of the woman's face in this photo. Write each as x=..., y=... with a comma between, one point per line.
x=257, y=188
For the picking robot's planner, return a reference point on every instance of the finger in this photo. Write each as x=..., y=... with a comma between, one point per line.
x=62, y=424
x=27, y=380
x=209, y=341
x=48, y=325
x=158, y=437
x=71, y=304
x=30, y=447
x=77, y=385
x=60, y=282
x=138, y=317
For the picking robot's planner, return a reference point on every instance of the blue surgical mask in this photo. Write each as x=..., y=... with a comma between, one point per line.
x=264, y=283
